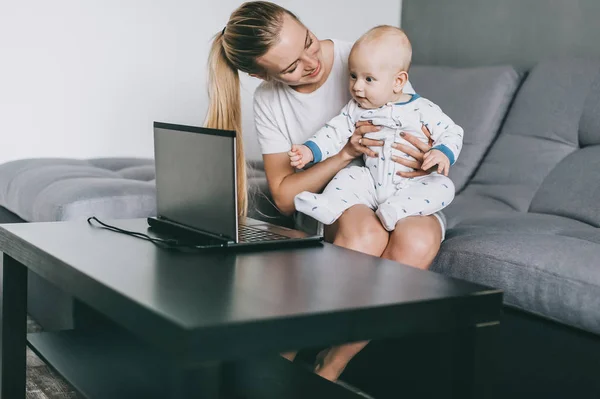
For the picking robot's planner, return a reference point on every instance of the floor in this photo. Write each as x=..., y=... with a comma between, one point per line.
x=42, y=381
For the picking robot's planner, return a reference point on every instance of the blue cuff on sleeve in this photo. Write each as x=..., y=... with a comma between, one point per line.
x=317, y=155
x=446, y=151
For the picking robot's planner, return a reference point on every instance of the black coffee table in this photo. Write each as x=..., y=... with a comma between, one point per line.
x=202, y=323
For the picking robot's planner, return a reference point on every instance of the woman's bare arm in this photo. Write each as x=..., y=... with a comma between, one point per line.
x=285, y=184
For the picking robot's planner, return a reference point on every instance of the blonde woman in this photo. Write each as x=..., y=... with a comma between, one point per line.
x=305, y=85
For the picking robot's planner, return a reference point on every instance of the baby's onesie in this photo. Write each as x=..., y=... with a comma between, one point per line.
x=378, y=185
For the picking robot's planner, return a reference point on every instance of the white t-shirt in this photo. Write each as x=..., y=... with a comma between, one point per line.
x=284, y=117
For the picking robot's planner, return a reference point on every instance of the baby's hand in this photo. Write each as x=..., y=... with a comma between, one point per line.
x=436, y=157
x=300, y=155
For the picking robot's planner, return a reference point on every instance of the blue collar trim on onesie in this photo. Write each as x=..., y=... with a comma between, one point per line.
x=414, y=97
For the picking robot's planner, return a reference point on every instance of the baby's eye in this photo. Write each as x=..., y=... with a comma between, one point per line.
x=369, y=79
x=352, y=76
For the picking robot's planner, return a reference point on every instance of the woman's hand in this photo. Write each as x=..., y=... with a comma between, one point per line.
x=358, y=144
x=417, y=155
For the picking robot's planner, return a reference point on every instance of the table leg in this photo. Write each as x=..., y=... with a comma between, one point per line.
x=13, y=329
x=475, y=359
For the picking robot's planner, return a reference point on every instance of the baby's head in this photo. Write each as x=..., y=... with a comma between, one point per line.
x=378, y=64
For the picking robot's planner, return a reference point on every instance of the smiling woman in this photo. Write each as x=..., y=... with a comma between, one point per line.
x=305, y=70
x=305, y=85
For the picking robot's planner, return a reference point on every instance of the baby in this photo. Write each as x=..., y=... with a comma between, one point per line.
x=378, y=65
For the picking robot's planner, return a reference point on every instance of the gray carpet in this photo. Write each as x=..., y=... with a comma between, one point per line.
x=42, y=381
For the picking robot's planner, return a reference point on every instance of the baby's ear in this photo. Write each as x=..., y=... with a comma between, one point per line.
x=399, y=81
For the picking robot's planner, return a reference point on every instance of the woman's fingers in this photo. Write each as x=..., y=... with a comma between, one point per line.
x=411, y=163
x=370, y=142
x=416, y=154
x=369, y=152
x=416, y=142
x=416, y=173
x=361, y=144
x=366, y=128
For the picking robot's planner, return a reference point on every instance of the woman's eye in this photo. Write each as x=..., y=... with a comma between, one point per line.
x=369, y=79
x=291, y=70
x=310, y=43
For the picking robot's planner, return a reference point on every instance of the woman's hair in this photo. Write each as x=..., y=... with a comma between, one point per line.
x=251, y=31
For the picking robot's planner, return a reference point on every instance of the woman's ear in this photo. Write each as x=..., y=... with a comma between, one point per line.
x=259, y=76
x=255, y=75
x=399, y=81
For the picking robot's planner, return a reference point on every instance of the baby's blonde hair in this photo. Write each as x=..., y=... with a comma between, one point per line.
x=390, y=36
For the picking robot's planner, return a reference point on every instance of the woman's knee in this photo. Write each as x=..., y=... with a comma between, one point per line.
x=415, y=241
x=359, y=229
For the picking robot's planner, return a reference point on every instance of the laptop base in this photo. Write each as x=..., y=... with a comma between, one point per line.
x=188, y=236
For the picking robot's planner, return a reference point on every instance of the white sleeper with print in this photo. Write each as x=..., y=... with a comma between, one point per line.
x=378, y=185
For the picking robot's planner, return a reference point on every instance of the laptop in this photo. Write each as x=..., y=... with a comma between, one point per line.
x=196, y=192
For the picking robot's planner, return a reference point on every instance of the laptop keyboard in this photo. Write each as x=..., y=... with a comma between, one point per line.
x=252, y=234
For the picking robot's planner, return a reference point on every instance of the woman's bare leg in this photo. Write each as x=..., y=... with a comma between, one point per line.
x=415, y=241
x=359, y=229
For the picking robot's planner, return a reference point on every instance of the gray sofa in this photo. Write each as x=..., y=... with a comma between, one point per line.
x=526, y=217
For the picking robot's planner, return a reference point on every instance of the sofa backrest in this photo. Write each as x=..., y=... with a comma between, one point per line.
x=477, y=99
x=543, y=159
x=572, y=188
x=467, y=33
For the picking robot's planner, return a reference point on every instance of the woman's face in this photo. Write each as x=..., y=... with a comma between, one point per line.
x=296, y=59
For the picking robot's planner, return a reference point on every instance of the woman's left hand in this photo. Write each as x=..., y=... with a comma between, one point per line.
x=417, y=154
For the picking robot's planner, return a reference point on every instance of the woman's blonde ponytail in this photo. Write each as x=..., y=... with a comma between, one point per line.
x=225, y=110
x=251, y=31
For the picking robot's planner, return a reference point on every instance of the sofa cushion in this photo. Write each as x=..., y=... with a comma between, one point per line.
x=475, y=98
x=7, y=216
x=42, y=190
x=589, y=124
x=541, y=129
x=472, y=206
x=546, y=264
x=572, y=189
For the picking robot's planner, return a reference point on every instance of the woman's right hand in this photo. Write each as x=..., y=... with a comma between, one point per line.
x=358, y=145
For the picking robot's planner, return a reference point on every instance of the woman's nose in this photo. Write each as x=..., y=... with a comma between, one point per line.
x=310, y=63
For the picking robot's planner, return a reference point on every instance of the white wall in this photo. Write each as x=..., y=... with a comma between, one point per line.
x=87, y=78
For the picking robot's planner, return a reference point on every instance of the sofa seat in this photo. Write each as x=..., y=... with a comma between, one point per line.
x=546, y=264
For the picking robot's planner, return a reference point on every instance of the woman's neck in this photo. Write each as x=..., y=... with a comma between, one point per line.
x=327, y=64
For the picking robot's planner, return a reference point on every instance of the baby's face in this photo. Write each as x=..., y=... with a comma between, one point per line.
x=371, y=77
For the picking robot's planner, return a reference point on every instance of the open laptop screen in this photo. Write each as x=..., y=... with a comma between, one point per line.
x=195, y=177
